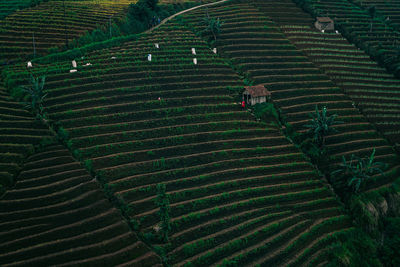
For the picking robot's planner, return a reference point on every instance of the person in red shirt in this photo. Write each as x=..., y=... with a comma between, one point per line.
x=243, y=104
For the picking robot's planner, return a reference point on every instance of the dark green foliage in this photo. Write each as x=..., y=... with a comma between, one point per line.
x=162, y=202
x=213, y=26
x=318, y=155
x=357, y=171
x=352, y=251
x=35, y=94
x=390, y=250
x=62, y=134
x=266, y=112
x=89, y=165
x=6, y=179
x=321, y=125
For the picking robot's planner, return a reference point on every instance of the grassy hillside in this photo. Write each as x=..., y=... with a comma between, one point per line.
x=365, y=28
x=194, y=179
x=49, y=26
x=388, y=9
x=10, y=6
x=19, y=133
x=57, y=215
x=374, y=91
x=238, y=190
x=259, y=48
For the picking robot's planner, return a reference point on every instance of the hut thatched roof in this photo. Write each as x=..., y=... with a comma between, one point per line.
x=324, y=19
x=257, y=90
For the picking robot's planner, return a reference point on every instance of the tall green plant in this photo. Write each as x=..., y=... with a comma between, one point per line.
x=357, y=171
x=213, y=26
x=372, y=13
x=162, y=202
x=321, y=125
x=36, y=94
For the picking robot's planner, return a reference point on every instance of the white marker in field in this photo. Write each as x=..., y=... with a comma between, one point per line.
x=74, y=64
x=214, y=50
x=88, y=64
x=195, y=61
x=29, y=64
x=149, y=57
x=337, y=32
x=72, y=71
x=156, y=45
x=113, y=58
x=193, y=51
x=322, y=31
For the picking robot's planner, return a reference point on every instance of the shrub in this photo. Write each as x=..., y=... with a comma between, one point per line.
x=162, y=201
x=321, y=125
x=213, y=26
x=390, y=253
x=357, y=171
x=35, y=94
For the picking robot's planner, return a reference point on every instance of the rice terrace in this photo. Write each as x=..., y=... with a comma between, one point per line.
x=200, y=133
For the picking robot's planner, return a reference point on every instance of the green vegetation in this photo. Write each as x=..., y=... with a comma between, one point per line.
x=162, y=202
x=197, y=178
x=10, y=6
x=35, y=95
x=321, y=125
x=357, y=171
x=213, y=26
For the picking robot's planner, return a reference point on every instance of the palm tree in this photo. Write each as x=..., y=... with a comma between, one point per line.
x=213, y=25
x=35, y=94
x=321, y=125
x=358, y=170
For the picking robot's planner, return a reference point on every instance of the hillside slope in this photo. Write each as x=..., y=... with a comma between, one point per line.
x=57, y=215
x=49, y=27
x=256, y=45
x=374, y=91
x=19, y=133
x=239, y=191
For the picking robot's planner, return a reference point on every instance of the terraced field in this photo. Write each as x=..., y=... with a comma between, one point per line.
x=19, y=132
x=57, y=215
x=390, y=9
x=8, y=7
x=370, y=34
x=256, y=45
x=374, y=91
x=238, y=190
x=50, y=27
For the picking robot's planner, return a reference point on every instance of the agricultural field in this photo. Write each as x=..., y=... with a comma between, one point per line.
x=19, y=133
x=8, y=7
x=238, y=190
x=388, y=9
x=140, y=152
x=48, y=26
x=363, y=27
x=262, y=51
x=57, y=215
x=374, y=91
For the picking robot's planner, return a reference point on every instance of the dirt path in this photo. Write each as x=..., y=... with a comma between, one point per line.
x=182, y=12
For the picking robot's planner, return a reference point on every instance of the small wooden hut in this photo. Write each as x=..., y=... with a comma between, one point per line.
x=255, y=94
x=324, y=23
